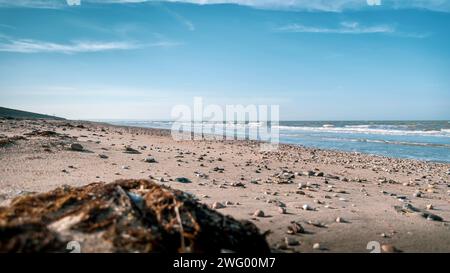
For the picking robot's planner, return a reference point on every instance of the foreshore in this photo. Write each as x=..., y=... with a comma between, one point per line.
x=341, y=200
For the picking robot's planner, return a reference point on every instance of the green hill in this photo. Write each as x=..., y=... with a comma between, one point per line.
x=12, y=113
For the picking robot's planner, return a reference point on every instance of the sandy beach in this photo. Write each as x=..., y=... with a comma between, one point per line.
x=341, y=200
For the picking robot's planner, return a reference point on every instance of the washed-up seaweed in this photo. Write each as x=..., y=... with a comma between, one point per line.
x=123, y=216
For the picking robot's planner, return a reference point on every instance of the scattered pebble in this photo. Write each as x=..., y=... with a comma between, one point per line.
x=183, y=180
x=295, y=228
x=258, y=213
x=389, y=249
x=76, y=147
x=417, y=194
x=217, y=205
x=150, y=160
x=291, y=241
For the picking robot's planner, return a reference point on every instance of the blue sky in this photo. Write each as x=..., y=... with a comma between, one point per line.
x=318, y=60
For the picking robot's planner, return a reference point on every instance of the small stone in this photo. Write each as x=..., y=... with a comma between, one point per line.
x=129, y=150
x=340, y=220
x=434, y=217
x=125, y=167
x=295, y=228
x=102, y=156
x=388, y=248
x=417, y=194
x=183, y=180
x=430, y=207
x=306, y=207
x=160, y=179
x=290, y=241
x=228, y=203
x=258, y=213
x=237, y=184
x=317, y=246
x=282, y=210
x=150, y=160
x=76, y=147
x=217, y=205
x=316, y=224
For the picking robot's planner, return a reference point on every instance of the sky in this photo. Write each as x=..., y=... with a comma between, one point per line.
x=317, y=60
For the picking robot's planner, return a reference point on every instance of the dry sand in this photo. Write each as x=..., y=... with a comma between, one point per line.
x=361, y=190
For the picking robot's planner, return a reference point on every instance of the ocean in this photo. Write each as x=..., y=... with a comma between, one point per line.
x=422, y=140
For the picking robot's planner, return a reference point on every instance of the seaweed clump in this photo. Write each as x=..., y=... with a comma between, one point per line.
x=123, y=216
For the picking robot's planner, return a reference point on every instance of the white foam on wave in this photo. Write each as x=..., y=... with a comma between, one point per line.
x=365, y=129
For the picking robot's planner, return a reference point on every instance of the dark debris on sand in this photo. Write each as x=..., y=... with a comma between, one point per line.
x=10, y=140
x=123, y=216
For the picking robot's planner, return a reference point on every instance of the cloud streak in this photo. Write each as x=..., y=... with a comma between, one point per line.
x=8, y=44
x=344, y=28
x=308, y=5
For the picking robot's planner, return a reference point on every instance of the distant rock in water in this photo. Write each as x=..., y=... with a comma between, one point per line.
x=123, y=216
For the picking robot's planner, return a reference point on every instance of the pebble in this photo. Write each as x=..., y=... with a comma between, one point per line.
x=76, y=147
x=317, y=246
x=295, y=228
x=130, y=150
x=388, y=248
x=417, y=194
x=430, y=207
x=258, y=213
x=433, y=217
x=340, y=220
x=291, y=241
x=306, y=207
x=282, y=210
x=150, y=160
x=102, y=156
x=217, y=205
x=183, y=180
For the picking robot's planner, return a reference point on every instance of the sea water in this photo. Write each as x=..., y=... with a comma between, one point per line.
x=422, y=140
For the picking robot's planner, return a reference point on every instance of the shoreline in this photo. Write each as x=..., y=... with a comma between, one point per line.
x=167, y=132
x=342, y=200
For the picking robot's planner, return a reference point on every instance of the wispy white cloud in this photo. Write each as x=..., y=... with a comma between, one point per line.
x=8, y=44
x=343, y=28
x=315, y=5
x=180, y=18
x=312, y=5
